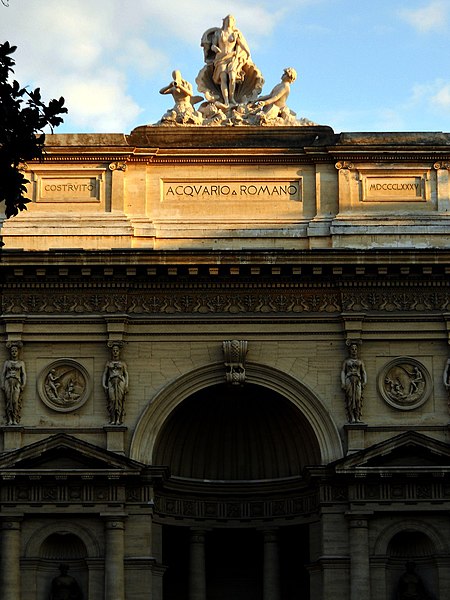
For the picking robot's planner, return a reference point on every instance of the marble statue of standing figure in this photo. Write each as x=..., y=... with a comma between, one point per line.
x=353, y=381
x=115, y=384
x=410, y=585
x=13, y=381
x=65, y=587
x=230, y=76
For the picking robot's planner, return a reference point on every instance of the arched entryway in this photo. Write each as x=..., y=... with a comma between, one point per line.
x=235, y=512
x=236, y=433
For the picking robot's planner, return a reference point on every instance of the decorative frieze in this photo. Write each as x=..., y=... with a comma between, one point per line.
x=235, y=510
x=204, y=300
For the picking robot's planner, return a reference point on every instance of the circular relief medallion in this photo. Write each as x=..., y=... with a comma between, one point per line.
x=64, y=385
x=405, y=383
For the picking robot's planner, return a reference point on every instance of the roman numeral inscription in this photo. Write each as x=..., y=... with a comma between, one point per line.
x=393, y=189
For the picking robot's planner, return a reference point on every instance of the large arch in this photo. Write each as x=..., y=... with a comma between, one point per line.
x=166, y=400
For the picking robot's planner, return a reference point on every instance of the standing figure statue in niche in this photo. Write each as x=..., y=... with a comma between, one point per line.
x=229, y=77
x=410, y=585
x=13, y=380
x=65, y=587
x=353, y=381
x=115, y=384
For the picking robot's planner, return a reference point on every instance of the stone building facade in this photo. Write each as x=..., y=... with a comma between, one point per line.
x=225, y=366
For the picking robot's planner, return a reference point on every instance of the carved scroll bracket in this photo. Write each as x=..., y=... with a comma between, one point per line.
x=235, y=352
x=118, y=166
x=441, y=165
x=344, y=164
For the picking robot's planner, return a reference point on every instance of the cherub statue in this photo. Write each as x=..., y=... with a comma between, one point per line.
x=183, y=112
x=272, y=108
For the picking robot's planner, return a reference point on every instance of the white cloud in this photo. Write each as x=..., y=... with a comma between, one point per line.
x=89, y=52
x=441, y=99
x=101, y=103
x=432, y=17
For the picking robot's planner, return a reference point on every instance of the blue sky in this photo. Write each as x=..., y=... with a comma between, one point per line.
x=363, y=65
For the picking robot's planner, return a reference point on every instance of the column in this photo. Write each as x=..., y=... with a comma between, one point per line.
x=197, y=572
x=271, y=566
x=10, y=559
x=359, y=557
x=114, y=555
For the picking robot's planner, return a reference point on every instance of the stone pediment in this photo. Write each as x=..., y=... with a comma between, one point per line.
x=64, y=455
x=408, y=452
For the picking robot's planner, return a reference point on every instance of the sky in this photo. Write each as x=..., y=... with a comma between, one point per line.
x=363, y=65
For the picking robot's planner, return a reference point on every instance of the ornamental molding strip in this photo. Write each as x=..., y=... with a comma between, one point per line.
x=202, y=300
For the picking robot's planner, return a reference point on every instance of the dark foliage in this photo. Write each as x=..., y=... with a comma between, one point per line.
x=23, y=116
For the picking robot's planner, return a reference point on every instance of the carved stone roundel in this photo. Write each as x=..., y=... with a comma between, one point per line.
x=405, y=383
x=64, y=385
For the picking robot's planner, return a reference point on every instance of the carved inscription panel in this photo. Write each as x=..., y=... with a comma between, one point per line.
x=68, y=186
x=226, y=191
x=249, y=199
x=393, y=188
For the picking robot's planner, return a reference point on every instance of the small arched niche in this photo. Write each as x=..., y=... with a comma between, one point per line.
x=230, y=433
x=415, y=548
x=61, y=548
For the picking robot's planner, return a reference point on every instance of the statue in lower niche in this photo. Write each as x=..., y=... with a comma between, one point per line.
x=13, y=380
x=115, y=384
x=410, y=585
x=183, y=113
x=353, y=381
x=65, y=587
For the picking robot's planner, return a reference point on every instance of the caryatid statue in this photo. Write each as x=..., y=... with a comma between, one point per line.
x=13, y=381
x=229, y=76
x=115, y=384
x=353, y=382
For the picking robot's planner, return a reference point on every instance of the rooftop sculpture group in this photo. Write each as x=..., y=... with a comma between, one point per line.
x=231, y=84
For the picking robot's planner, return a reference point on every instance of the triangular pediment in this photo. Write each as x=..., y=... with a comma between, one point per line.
x=63, y=453
x=403, y=453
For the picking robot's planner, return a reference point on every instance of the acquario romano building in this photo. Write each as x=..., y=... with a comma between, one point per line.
x=215, y=392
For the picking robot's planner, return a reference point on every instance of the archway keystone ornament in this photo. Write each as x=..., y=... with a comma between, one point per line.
x=405, y=383
x=64, y=385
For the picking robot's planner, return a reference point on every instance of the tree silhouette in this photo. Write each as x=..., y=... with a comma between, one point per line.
x=23, y=116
